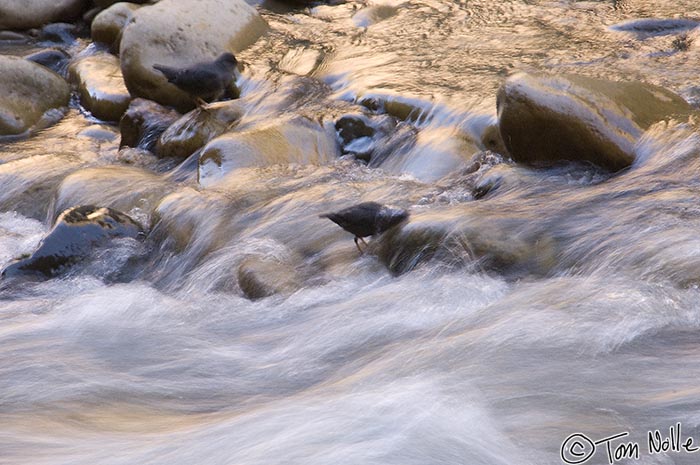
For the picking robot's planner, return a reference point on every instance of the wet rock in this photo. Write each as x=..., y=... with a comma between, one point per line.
x=59, y=32
x=179, y=33
x=76, y=233
x=53, y=58
x=491, y=140
x=545, y=120
x=27, y=91
x=35, y=13
x=402, y=107
x=351, y=127
x=358, y=133
x=14, y=37
x=191, y=132
x=108, y=24
x=463, y=237
x=128, y=189
x=109, y=3
x=100, y=86
x=260, y=276
x=143, y=123
x=293, y=141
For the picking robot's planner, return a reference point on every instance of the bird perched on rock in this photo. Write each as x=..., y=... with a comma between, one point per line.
x=203, y=81
x=367, y=219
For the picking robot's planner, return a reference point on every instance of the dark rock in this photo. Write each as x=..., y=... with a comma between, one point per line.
x=55, y=59
x=143, y=123
x=59, y=32
x=351, y=127
x=12, y=36
x=76, y=233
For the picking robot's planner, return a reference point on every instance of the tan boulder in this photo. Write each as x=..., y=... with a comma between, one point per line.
x=101, y=86
x=179, y=33
x=108, y=24
x=299, y=141
x=545, y=119
x=196, y=128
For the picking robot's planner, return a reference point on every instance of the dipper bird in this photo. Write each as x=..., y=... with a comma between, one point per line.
x=367, y=219
x=203, y=81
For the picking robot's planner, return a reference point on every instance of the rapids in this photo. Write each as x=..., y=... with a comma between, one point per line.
x=442, y=359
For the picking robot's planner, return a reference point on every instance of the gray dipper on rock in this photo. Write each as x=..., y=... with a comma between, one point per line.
x=367, y=219
x=205, y=81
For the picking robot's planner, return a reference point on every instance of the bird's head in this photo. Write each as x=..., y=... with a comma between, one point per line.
x=227, y=59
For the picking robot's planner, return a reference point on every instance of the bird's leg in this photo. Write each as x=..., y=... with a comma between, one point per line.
x=358, y=245
x=363, y=241
x=201, y=103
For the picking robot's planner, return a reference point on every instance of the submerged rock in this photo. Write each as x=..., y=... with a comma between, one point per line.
x=179, y=33
x=196, y=128
x=27, y=91
x=655, y=26
x=108, y=24
x=36, y=13
x=263, y=276
x=143, y=123
x=282, y=142
x=544, y=120
x=76, y=233
x=101, y=86
x=124, y=188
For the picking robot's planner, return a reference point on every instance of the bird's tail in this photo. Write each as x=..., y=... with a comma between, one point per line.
x=167, y=71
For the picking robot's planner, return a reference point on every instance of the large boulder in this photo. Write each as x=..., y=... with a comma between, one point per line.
x=298, y=141
x=26, y=14
x=100, y=85
x=179, y=33
x=76, y=233
x=547, y=119
x=108, y=24
x=27, y=91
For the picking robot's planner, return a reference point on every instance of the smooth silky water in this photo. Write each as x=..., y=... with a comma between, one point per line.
x=454, y=361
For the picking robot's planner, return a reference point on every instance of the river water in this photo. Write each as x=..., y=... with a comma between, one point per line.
x=586, y=320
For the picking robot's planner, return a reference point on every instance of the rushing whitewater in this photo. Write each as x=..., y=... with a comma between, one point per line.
x=550, y=302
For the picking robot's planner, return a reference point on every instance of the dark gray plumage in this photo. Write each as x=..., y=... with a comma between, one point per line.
x=367, y=219
x=204, y=82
